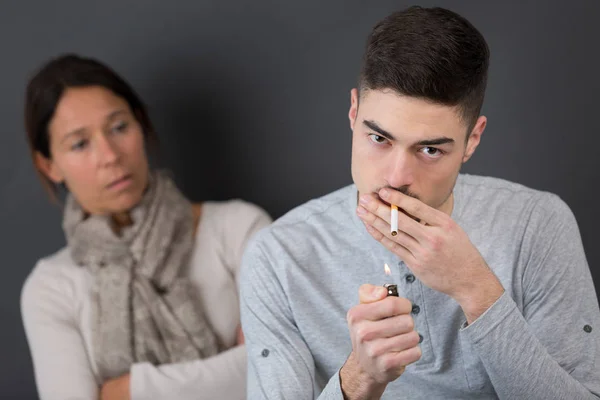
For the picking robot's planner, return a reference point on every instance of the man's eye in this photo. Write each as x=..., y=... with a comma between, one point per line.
x=377, y=139
x=432, y=152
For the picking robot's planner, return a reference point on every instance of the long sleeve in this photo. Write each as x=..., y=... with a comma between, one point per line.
x=222, y=376
x=550, y=350
x=61, y=367
x=218, y=377
x=280, y=365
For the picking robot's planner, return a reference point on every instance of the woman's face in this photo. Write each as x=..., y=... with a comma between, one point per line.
x=97, y=150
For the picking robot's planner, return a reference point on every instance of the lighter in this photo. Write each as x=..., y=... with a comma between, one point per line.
x=392, y=289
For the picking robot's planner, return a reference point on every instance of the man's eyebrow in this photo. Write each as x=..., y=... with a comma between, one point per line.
x=374, y=126
x=428, y=142
x=435, y=142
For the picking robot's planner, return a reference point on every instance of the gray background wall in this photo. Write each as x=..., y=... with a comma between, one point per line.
x=250, y=100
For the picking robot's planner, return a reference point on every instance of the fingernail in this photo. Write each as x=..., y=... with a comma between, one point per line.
x=379, y=291
x=384, y=193
x=364, y=200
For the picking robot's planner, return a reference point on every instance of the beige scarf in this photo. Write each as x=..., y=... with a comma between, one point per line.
x=144, y=309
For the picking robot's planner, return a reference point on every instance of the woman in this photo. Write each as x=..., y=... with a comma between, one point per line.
x=142, y=302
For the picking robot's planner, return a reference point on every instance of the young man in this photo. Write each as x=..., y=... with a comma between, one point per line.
x=496, y=297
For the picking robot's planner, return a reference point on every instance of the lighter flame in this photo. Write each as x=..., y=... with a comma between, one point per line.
x=387, y=270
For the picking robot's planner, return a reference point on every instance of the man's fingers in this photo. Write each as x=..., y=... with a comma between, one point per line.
x=375, y=209
x=385, y=328
x=381, y=226
x=395, y=344
x=395, y=360
x=388, y=307
x=368, y=293
x=414, y=207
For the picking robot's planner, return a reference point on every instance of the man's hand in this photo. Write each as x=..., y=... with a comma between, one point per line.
x=383, y=343
x=116, y=389
x=435, y=249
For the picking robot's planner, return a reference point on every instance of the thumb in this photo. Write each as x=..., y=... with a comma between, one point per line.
x=368, y=293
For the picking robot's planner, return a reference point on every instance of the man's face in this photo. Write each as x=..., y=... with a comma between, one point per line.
x=410, y=145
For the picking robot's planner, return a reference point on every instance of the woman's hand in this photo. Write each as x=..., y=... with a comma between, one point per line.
x=240, y=335
x=116, y=389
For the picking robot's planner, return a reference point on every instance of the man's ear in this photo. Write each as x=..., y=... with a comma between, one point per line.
x=353, y=107
x=474, y=138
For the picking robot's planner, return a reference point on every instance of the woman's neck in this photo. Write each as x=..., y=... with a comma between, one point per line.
x=120, y=221
x=123, y=219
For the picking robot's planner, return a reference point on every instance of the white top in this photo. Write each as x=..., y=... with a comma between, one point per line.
x=56, y=307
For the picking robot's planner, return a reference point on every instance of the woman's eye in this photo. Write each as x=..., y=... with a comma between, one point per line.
x=79, y=145
x=377, y=139
x=119, y=128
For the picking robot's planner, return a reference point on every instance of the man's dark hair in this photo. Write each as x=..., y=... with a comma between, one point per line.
x=429, y=53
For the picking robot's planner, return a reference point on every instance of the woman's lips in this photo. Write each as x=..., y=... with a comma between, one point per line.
x=121, y=183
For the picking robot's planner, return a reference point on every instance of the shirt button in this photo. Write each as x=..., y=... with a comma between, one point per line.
x=416, y=309
x=420, y=338
x=265, y=353
x=410, y=278
x=587, y=328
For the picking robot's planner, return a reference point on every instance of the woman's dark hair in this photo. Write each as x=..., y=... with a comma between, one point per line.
x=46, y=88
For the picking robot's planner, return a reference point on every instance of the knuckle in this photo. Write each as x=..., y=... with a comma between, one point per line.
x=351, y=316
x=370, y=217
x=368, y=351
x=436, y=241
x=410, y=356
x=372, y=351
x=414, y=338
x=428, y=236
x=417, y=353
x=362, y=334
x=410, y=323
x=419, y=256
x=416, y=208
x=398, y=306
x=395, y=304
x=404, y=306
x=426, y=258
x=399, y=244
x=388, y=363
x=387, y=305
x=373, y=231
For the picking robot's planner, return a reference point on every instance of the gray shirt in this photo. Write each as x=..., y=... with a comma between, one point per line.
x=539, y=340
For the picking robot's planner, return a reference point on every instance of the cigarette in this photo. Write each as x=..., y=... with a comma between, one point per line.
x=394, y=219
x=391, y=289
